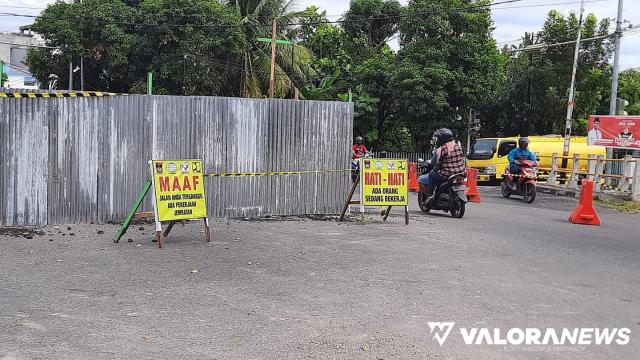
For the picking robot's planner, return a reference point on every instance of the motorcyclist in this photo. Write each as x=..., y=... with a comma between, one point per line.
x=447, y=160
x=519, y=154
x=358, y=150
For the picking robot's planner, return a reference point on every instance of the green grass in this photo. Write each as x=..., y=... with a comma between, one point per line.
x=631, y=207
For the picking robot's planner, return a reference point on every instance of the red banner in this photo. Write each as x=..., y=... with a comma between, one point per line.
x=614, y=131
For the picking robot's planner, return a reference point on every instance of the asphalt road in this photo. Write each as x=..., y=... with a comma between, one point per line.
x=319, y=289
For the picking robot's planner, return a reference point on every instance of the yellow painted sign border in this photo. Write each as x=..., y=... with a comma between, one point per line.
x=381, y=166
x=179, y=189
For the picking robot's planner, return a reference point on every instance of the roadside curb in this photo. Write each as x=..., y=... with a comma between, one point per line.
x=574, y=193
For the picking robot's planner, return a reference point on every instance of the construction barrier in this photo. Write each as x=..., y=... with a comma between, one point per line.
x=585, y=213
x=413, y=177
x=58, y=94
x=472, y=185
x=276, y=173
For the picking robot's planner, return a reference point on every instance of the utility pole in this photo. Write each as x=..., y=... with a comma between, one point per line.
x=274, y=42
x=81, y=55
x=272, y=78
x=614, y=81
x=571, y=102
x=616, y=62
x=70, y=75
x=469, y=131
x=529, y=86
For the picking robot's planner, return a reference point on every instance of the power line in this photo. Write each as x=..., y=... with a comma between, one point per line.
x=19, y=69
x=340, y=15
x=364, y=19
x=21, y=7
x=549, y=4
x=544, y=46
x=541, y=27
x=27, y=45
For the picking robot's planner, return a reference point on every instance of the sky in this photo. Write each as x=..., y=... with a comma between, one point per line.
x=511, y=20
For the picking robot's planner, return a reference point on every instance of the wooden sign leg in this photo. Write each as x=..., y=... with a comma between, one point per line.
x=159, y=238
x=406, y=215
x=348, y=202
x=386, y=213
x=168, y=229
x=207, y=233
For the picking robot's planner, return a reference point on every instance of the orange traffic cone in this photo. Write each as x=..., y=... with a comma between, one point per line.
x=413, y=177
x=472, y=185
x=584, y=213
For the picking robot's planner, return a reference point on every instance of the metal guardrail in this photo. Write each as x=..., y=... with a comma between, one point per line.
x=627, y=176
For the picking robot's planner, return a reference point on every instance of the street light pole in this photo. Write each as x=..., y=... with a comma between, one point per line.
x=571, y=102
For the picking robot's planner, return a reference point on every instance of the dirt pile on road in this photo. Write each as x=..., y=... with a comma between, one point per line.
x=27, y=233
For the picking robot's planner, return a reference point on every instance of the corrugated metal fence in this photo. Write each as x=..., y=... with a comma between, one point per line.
x=85, y=159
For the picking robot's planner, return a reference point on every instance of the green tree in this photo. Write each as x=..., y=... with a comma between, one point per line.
x=629, y=89
x=538, y=82
x=188, y=44
x=356, y=57
x=370, y=24
x=448, y=63
x=332, y=64
x=375, y=75
x=293, y=62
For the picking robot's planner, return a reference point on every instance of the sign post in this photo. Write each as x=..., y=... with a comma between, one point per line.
x=178, y=187
x=383, y=182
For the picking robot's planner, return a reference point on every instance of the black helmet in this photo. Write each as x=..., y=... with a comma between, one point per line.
x=523, y=142
x=443, y=136
x=359, y=140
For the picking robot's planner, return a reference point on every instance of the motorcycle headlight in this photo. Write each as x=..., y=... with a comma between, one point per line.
x=491, y=169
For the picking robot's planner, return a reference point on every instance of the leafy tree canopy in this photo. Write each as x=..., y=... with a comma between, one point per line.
x=446, y=61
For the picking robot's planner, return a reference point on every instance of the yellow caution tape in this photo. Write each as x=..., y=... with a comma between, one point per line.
x=276, y=173
x=528, y=177
x=57, y=94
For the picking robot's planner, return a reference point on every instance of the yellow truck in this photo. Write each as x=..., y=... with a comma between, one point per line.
x=489, y=155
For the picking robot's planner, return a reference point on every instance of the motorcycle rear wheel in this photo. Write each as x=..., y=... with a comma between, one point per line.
x=505, y=189
x=529, y=193
x=422, y=202
x=458, y=210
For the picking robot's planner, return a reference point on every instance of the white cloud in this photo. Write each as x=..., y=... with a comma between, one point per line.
x=511, y=20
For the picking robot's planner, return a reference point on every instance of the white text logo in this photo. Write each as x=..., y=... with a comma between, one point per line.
x=532, y=336
x=441, y=329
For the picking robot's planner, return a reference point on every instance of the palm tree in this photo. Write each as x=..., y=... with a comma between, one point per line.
x=292, y=61
x=528, y=39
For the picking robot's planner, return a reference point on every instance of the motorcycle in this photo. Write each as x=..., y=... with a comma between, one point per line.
x=523, y=184
x=449, y=196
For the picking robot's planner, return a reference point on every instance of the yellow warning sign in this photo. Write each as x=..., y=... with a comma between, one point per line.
x=384, y=182
x=179, y=188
